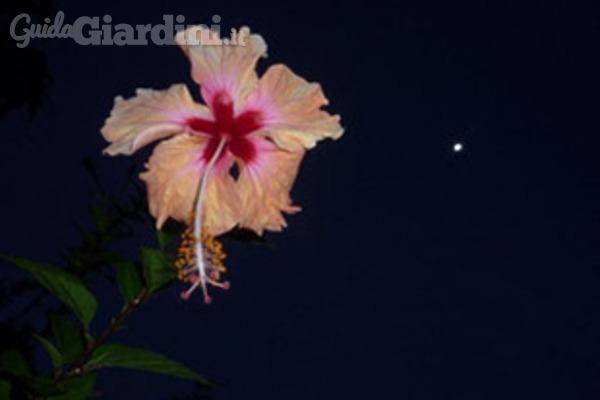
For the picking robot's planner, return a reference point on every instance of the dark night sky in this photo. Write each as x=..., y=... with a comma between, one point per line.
x=413, y=272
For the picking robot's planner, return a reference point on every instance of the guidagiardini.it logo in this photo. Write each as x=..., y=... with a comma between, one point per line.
x=88, y=31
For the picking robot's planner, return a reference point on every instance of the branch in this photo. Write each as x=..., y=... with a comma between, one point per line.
x=76, y=367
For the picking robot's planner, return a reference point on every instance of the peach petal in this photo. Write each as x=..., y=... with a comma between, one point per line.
x=218, y=68
x=150, y=115
x=292, y=110
x=172, y=178
x=264, y=186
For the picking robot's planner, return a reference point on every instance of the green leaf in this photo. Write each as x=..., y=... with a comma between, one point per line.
x=129, y=280
x=41, y=386
x=87, y=236
x=66, y=287
x=15, y=369
x=116, y=355
x=159, y=270
x=14, y=362
x=164, y=238
x=169, y=232
x=4, y=390
x=52, y=351
x=68, y=337
x=78, y=388
x=100, y=217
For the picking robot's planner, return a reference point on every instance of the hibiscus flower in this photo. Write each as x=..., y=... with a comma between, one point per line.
x=229, y=163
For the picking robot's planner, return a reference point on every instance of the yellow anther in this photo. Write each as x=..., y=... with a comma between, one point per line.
x=186, y=257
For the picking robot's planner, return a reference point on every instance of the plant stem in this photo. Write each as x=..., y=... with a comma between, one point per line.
x=76, y=367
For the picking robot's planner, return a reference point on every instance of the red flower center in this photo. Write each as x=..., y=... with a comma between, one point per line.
x=234, y=129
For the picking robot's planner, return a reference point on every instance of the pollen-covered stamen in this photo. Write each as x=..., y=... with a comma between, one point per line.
x=212, y=262
x=200, y=255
